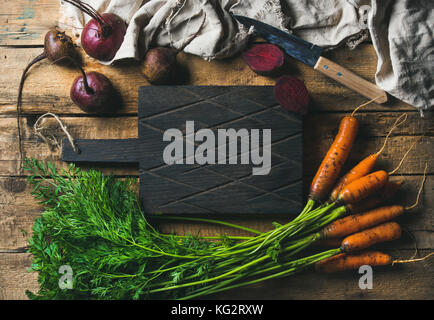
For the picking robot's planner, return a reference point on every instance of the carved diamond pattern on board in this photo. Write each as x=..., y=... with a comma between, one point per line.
x=218, y=188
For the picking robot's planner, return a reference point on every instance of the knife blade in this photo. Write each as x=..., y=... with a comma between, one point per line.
x=311, y=55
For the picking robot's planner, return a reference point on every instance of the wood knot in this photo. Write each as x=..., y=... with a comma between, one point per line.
x=14, y=185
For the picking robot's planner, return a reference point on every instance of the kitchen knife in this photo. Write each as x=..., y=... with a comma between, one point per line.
x=310, y=54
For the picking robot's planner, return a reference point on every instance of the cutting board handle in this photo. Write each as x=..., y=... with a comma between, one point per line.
x=102, y=151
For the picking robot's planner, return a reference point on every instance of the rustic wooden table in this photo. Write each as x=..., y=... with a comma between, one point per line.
x=22, y=26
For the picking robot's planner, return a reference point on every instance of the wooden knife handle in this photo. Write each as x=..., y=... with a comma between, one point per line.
x=350, y=80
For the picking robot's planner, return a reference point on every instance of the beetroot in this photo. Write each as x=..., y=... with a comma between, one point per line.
x=93, y=92
x=103, y=35
x=57, y=47
x=102, y=43
x=265, y=59
x=291, y=93
x=160, y=65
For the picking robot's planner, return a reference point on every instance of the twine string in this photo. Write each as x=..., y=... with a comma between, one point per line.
x=39, y=129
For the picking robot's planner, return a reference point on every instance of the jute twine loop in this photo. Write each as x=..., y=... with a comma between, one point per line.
x=53, y=141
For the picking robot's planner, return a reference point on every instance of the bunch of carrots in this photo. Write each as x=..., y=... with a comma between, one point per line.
x=344, y=214
x=358, y=195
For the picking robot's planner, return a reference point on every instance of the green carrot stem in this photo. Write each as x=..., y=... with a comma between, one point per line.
x=312, y=216
x=308, y=207
x=296, y=246
x=157, y=251
x=325, y=220
x=276, y=234
x=211, y=279
x=273, y=265
x=210, y=237
x=213, y=288
x=228, y=224
x=291, y=267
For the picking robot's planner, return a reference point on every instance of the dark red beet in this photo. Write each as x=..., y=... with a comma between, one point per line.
x=103, y=35
x=57, y=47
x=100, y=98
x=264, y=59
x=102, y=43
x=291, y=93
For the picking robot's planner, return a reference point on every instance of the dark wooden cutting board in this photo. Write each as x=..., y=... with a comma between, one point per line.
x=212, y=189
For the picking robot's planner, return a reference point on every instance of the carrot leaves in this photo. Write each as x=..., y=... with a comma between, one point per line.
x=94, y=227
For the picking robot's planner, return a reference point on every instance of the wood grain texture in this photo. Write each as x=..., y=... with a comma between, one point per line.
x=47, y=89
x=14, y=277
x=216, y=189
x=97, y=151
x=24, y=23
x=350, y=80
x=41, y=95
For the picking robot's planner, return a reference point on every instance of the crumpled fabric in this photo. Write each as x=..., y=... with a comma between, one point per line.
x=401, y=32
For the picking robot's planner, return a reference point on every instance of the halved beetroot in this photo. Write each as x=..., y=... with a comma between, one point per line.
x=292, y=94
x=264, y=58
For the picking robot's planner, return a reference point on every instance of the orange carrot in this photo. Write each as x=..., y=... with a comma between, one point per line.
x=345, y=261
x=367, y=185
x=391, y=188
x=386, y=193
x=361, y=169
x=361, y=240
x=365, y=166
x=357, y=222
x=335, y=158
x=363, y=187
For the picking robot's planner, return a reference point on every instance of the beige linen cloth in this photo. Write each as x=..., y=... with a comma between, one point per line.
x=401, y=32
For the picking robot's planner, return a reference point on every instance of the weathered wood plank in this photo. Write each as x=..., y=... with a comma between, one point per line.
x=417, y=158
x=47, y=85
x=371, y=124
x=14, y=277
x=405, y=281
x=25, y=22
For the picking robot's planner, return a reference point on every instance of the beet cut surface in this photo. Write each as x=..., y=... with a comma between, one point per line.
x=264, y=59
x=292, y=94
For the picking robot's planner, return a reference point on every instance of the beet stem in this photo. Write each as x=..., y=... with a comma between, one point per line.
x=88, y=89
x=89, y=10
x=42, y=56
